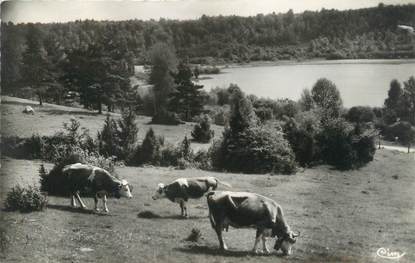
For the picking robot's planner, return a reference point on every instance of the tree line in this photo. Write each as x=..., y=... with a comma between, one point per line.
x=362, y=33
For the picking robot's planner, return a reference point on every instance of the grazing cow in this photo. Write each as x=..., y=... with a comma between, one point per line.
x=180, y=190
x=100, y=181
x=28, y=110
x=240, y=210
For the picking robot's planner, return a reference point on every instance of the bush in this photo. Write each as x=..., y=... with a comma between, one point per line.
x=25, y=199
x=342, y=148
x=169, y=156
x=256, y=150
x=201, y=131
x=149, y=152
x=219, y=114
x=25, y=148
x=167, y=118
x=403, y=131
x=202, y=160
x=301, y=133
x=360, y=114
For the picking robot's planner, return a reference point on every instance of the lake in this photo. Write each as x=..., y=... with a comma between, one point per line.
x=360, y=82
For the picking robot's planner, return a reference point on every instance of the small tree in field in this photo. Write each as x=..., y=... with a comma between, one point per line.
x=108, y=140
x=150, y=150
x=127, y=133
x=201, y=131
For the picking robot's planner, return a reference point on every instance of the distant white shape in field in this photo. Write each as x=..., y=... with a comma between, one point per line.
x=408, y=29
x=28, y=110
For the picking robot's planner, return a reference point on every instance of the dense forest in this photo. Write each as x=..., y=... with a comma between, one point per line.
x=95, y=59
x=362, y=33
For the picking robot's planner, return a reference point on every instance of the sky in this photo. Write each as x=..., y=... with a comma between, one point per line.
x=45, y=11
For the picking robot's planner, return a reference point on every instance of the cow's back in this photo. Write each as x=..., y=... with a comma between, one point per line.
x=246, y=210
x=77, y=177
x=196, y=188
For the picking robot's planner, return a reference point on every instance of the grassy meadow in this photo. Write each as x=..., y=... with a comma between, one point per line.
x=343, y=216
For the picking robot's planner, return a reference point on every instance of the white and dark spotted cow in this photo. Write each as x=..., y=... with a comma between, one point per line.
x=182, y=189
x=28, y=110
x=241, y=210
x=100, y=181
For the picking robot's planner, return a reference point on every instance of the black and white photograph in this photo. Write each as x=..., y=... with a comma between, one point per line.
x=208, y=131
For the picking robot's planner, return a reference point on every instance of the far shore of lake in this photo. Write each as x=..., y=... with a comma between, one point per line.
x=315, y=62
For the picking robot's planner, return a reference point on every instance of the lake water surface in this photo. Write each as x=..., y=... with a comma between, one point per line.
x=361, y=82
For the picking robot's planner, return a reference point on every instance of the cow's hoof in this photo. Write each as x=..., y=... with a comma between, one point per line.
x=97, y=210
x=255, y=251
x=266, y=251
x=106, y=210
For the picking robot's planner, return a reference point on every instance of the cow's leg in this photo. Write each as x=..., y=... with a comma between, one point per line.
x=222, y=244
x=83, y=206
x=96, y=199
x=257, y=239
x=183, y=208
x=264, y=244
x=73, y=201
x=105, y=204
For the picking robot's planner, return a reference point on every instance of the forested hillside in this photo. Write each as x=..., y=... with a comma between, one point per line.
x=52, y=57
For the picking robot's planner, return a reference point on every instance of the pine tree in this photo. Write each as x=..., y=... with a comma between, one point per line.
x=108, y=140
x=187, y=98
x=163, y=61
x=150, y=150
x=127, y=132
x=35, y=65
x=242, y=113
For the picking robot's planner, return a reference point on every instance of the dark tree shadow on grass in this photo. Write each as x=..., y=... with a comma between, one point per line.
x=215, y=251
x=151, y=215
x=76, y=210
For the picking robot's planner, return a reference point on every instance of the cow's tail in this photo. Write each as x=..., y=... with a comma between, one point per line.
x=218, y=182
x=209, y=201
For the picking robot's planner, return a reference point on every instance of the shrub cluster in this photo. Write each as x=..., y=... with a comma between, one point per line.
x=25, y=199
x=256, y=150
x=201, y=131
x=248, y=146
x=118, y=138
x=342, y=148
x=301, y=132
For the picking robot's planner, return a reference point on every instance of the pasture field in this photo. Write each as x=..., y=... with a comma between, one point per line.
x=48, y=119
x=342, y=216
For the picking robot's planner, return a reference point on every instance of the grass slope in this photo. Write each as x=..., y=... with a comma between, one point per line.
x=48, y=119
x=342, y=216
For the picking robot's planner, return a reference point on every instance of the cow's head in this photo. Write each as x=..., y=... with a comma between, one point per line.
x=160, y=193
x=123, y=189
x=286, y=242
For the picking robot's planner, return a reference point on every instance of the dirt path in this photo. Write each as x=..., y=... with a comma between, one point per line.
x=397, y=148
